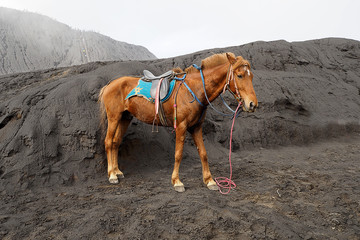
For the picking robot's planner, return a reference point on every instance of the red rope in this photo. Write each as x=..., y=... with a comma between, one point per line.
x=224, y=182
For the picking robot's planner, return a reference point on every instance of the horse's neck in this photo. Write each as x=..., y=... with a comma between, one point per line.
x=215, y=79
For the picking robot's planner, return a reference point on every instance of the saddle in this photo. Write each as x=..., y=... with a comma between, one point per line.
x=159, y=92
x=155, y=80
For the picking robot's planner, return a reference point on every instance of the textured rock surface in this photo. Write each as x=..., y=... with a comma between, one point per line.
x=52, y=156
x=30, y=41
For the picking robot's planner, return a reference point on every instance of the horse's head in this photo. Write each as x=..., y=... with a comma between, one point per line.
x=240, y=72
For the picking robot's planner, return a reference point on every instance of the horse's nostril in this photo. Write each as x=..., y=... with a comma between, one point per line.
x=252, y=105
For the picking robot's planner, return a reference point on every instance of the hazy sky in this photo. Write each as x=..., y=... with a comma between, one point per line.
x=175, y=27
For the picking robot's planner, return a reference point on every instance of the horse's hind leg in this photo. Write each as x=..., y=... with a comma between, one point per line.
x=115, y=133
x=119, y=134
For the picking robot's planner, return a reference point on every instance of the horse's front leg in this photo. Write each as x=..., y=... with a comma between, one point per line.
x=196, y=133
x=179, y=146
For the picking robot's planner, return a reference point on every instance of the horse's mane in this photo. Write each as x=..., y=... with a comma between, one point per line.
x=209, y=62
x=216, y=60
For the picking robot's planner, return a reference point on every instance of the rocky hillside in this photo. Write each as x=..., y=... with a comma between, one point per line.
x=306, y=91
x=53, y=181
x=30, y=41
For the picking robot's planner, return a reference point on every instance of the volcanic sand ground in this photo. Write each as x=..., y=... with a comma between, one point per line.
x=293, y=192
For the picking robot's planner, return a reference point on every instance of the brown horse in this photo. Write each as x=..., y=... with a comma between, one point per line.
x=220, y=71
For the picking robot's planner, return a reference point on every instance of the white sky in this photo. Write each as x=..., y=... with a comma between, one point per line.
x=170, y=28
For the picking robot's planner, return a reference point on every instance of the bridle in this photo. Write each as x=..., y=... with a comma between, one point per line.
x=230, y=77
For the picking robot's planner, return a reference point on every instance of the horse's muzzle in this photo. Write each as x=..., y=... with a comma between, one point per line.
x=249, y=107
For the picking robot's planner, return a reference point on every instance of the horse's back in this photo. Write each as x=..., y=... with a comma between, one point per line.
x=119, y=87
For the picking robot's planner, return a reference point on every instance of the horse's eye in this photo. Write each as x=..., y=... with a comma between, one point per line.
x=239, y=76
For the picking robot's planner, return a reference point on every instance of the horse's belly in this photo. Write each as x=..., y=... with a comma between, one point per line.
x=144, y=111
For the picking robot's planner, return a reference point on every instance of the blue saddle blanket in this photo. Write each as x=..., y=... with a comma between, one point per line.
x=143, y=90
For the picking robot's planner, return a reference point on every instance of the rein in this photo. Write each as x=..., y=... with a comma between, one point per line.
x=229, y=76
x=224, y=182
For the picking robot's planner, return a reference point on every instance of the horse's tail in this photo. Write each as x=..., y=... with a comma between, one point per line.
x=102, y=109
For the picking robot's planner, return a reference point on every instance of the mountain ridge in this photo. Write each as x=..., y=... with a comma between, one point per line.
x=31, y=41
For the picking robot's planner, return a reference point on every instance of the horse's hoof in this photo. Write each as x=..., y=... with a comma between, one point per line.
x=121, y=175
x=179, y=188
x=212, y=186
x=114, y=181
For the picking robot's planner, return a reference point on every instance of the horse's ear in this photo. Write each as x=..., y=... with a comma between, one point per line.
x=231, y=57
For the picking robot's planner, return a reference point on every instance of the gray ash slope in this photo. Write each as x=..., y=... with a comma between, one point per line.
x=53, y=180
x=49, y=119
x=30, y=41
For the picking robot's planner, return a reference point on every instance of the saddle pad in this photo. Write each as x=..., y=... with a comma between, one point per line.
x=143, y=90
